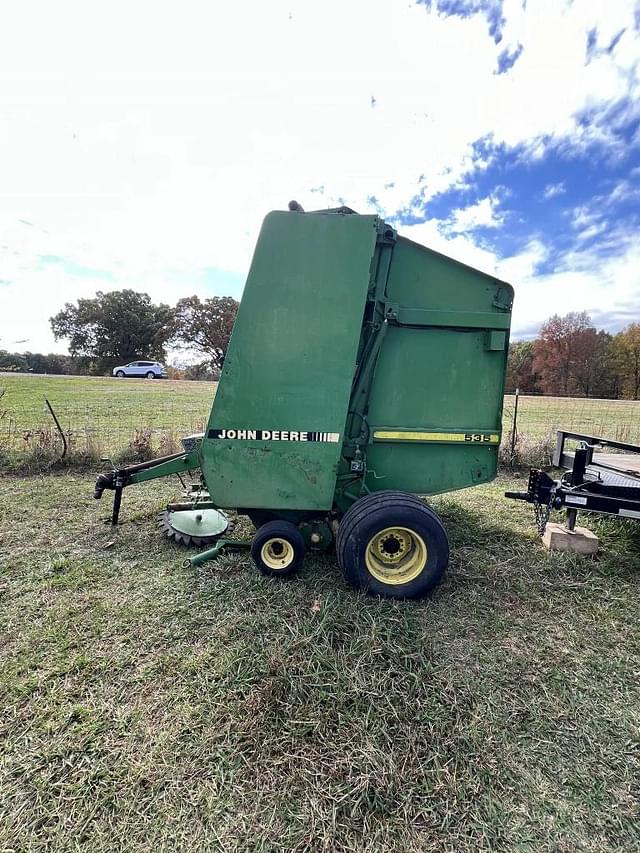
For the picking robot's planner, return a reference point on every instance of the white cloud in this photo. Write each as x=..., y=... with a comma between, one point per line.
x=483, y=214
x=624, y=191
x=604, y=287
x=519, y=270
x=147, y=138
x=584, y=216
x=523, y=268
x=595, y=218
x=592, y=231
x=459, y=246
x=553, y=190
x=582, y=280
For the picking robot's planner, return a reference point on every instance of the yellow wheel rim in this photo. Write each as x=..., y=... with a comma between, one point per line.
x=277, y=554
x=396, y=555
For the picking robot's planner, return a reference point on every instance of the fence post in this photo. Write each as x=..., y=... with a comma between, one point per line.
x=514, y=427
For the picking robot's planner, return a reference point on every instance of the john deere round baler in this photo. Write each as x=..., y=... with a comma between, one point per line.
x=363, y=370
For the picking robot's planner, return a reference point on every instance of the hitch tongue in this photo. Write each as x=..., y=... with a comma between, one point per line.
x=113, y=481
x=541, y=490
x=518, y=496
x=103, y=481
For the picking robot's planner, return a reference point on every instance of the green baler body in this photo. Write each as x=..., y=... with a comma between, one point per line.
x=359, y=361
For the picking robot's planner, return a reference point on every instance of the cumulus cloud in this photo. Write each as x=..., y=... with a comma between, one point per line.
x=482, y=214
x=146, y=141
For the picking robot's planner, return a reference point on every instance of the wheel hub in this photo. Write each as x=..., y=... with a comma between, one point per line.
x=392, y=547
x=277, y=553
x=396, y=555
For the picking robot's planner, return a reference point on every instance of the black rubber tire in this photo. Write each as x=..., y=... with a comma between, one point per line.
x=374, y=513
x=120, y=374
x=278, y=530
x=149, y=375
x=259, y=517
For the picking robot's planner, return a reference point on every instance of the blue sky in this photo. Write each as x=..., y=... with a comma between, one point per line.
x=503, y=133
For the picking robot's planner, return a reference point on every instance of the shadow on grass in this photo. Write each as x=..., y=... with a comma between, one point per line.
x=489, y=561
x=476, y=541
x=479, y=528
x=467, y=529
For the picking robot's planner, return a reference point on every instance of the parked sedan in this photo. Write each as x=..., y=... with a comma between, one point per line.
x=148, y=369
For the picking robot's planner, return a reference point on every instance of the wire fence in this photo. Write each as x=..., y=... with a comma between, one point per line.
x=107, y=425
x=101, y=429
x=539, y=416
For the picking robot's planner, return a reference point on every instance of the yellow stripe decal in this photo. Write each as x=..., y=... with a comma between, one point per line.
x=468, y=437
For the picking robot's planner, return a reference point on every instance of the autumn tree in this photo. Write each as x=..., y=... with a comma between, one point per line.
x=567, y=354
x=591, y=373
x=113, y=327
x=205, y=326
x=625, y=350
x=520, y=372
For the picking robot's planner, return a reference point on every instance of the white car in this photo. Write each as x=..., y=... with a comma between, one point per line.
x=148, y=369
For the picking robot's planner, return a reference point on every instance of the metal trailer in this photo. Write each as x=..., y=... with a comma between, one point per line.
x=594, y=481
x=363, y=370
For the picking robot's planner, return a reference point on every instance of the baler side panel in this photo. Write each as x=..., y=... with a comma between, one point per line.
x=443, y=381
x=290, y=364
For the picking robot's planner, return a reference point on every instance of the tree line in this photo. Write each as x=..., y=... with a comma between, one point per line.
x=571, y=358
x=123, y=325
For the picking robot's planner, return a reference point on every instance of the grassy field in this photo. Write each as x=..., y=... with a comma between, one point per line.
x=146, y=707
x=100, y=411
x=540, y=416
x=103, y=414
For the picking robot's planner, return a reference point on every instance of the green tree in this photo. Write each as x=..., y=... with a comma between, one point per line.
x=203, y=371
x=113, y=327
x=205, y=326
x=37, y=362
x=520, y=372
x=12, y=361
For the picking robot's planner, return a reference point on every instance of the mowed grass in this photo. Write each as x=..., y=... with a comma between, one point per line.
x=105, y=413
x=148, y=707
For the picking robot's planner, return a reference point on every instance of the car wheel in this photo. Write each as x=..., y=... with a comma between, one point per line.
x=120, y=374
x=150, y=374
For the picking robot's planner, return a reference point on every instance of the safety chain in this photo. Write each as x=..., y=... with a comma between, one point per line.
x=543, y=511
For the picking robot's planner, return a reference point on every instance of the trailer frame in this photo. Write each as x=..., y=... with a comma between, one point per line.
x=588, y=484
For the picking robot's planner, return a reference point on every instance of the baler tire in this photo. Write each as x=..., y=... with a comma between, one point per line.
x=258, y=517
x=409, y=521
x=278, y=549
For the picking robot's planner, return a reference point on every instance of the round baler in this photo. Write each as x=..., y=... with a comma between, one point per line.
x=363, y=370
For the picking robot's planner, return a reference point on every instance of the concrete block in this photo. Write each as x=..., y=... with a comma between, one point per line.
x=579, y=540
